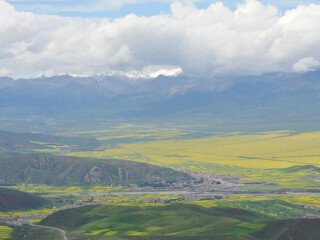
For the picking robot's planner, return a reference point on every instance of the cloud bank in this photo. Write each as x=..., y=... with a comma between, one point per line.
x=251, y=40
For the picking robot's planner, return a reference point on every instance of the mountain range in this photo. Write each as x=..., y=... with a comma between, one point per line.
x=266, y=99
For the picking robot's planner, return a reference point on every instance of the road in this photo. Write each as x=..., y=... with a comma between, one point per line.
x=63, y=233
x=230, y=192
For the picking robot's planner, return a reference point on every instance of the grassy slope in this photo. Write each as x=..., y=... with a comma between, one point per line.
x=57, y=170
x=178, y=221
x=268, y=206
x=35, y=233
x=16, y=200
x=304, y=229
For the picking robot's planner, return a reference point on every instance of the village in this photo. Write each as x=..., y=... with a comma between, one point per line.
x=19, y=220
x=201, y=181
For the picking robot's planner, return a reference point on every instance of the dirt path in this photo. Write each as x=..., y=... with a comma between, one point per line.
x=63, y=233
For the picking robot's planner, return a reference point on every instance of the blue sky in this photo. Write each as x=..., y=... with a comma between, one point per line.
x=120, y=8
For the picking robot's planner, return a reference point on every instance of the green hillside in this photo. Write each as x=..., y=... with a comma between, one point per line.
x=61, y=170
x=97, y=222
x=27, y=232
x=178, y=221
x=297, y=229
x=16, y=200
x=301, y=168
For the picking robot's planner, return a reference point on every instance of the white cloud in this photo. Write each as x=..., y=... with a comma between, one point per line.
x=4, y=72
x=306, y=65
x=253, y=39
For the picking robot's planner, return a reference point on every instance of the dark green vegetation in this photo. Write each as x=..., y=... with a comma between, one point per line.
x=304, y=229
x=35, y=233
x=61, y=170
x=178, y=221
x=13, y=144
x=16, y=200
x=301, y=168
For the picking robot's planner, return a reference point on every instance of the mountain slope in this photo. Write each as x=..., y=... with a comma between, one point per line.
x=59, y=170
x=175, y=221
x=16, y=200
x=178, y=221
x=267, y=99
x=297, y=229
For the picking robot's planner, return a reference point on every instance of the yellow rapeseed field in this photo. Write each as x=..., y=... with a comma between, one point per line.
x=262, y=151
x=5, y=232
x=257, y=156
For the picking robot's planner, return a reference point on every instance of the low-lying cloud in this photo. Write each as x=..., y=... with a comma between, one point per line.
x=253, y=39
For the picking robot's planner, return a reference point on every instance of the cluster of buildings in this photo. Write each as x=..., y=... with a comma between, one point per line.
x=16, y=222
x=311, y=215
x=184, y=198
x=311, y=207
x=82, y=203
x=201, y=180
x=19, y=220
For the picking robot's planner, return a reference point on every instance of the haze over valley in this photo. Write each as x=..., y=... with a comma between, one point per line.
x=151, y=119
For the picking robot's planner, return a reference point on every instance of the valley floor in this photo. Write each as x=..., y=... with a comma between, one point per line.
x=245, y=186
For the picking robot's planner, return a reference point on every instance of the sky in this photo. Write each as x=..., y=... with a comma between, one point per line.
x=121, y=8
x=150, y=37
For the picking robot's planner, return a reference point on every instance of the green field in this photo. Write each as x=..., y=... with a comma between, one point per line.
x=174, y=221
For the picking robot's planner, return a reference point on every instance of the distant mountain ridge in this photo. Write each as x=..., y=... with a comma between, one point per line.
x=268, y=98
x=61, y=170
x=110, y=86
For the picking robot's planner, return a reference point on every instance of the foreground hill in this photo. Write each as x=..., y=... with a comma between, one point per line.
x=297, y=229
x=178, y=221
x=16, y=200
x=60, y=170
